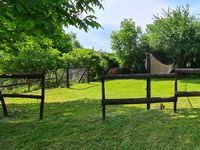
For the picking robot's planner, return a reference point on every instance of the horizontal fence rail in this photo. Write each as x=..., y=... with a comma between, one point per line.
x=24, y=76
x=22, y=96
x=187, y=94
x=187, y=70
x=15, y=84
x=138, y=100
x=140, y=76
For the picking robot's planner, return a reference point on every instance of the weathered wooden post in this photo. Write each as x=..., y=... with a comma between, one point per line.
x=67, y=77
x=175, y=90
x=148, y=83
x=5, y=112
x=43, y=95
x=88, y=75
x=103, y=96
x=56, y=77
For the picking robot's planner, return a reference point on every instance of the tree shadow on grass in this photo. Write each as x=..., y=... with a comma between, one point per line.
x=78, y=125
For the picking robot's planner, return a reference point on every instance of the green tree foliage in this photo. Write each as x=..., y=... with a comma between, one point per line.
x=125, y=44
x=111, y=60
x=31, y=55
x=176, y=34
x=45, y=17
x=74, y=40
x=62, y=42
x=76, y=44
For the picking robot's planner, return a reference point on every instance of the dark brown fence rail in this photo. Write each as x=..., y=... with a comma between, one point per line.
x=138, y=100
x=24, y=76
x=187, y=70
x=140, y=76
x=187, y=94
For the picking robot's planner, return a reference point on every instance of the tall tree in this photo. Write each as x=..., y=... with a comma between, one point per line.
x=75, y=42
x=125, y=44
x=177, y=33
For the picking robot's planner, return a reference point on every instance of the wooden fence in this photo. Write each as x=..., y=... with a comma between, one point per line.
x=148, y=99
x=40, y=76
x=53, y=78
x=145, y=100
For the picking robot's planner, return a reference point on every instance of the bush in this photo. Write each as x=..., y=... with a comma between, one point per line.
x=86, y=58
x=31, y=56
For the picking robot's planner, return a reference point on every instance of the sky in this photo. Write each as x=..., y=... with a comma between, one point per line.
x=141, y=11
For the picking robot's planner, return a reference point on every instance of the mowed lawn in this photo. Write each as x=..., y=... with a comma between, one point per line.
x=72, y=119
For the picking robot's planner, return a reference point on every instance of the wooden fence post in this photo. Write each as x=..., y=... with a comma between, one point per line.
x=5, y=112
x=67, y=77
x=103, y=96
x=43, y=96
x=148, y=83
x=56, y=76
x=88, y=75
x=175, y=90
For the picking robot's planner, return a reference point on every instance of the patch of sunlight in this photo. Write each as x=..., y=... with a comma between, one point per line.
x=18, y=121
x=188, y=141
x=67, y=114
x=183, y=116
x=192, y=116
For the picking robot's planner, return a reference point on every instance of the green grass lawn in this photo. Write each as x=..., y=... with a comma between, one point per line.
x=72, y=119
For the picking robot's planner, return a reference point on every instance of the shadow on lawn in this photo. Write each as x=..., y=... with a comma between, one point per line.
x=78, y=124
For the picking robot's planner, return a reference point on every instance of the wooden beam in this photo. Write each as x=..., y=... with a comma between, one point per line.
x=22, y=96
x=58, y=82
x=187, y=70
x=175, y=90
x=82, y=75
x=140, y=76
x=187, y=94
x=103, y=96
x=88, y=75
x=42, y=96
x=5, y=112
x=138, y=100
x=16, y=84
x=67, y=78
x=148, y=80
x=24, y=75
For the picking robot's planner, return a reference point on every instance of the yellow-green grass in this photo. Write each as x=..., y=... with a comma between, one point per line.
x=72, y=119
